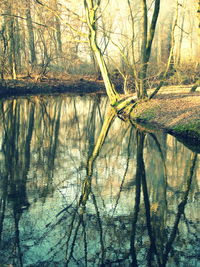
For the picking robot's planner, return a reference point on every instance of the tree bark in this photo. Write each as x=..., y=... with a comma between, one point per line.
x=58, y=31
x=12, y=45
x=18, y=47
x=147, y=39
x=91, y=10
x=170, y=62
x=135, y=73
x=4, y=49
x=142, y=93
x=31, y=40
x=180, y=41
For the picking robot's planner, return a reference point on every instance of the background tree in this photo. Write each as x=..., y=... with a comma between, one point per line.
x=31, y=37
x=50, y=37
x=147, y=39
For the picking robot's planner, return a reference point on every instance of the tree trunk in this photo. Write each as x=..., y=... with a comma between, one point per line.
x=170, y=62
x=180, y=41
x=4, y=49
x=197, y=84
x=146, y=45
x=12, y=46
x=58, y=31
x=91, y=10
x=142, y=93
x=31, y=40
x=18, y=47
x=135, y=73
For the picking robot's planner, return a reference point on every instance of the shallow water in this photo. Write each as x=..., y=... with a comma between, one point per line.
x=132, y=201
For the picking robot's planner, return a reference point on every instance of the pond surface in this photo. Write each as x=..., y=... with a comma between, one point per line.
x=81, y=188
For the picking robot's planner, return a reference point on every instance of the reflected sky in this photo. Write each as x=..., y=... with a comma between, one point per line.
x=80, y=187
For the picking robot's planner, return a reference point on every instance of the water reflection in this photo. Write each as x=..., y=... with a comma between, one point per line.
x=80, y=187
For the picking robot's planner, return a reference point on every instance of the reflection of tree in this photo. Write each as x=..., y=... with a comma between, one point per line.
x=87, y=183
x=126, y=168
x=52, y=135
x=119, y=218
x=139, y=167
x=142, y=182
x=16, y=151
x=86, y=192
x=162, y=256
x=159, y=248
x=159, y=197
x=181, y=207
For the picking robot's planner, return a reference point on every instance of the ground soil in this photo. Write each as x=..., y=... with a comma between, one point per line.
x=174, y=109
x=69, y=84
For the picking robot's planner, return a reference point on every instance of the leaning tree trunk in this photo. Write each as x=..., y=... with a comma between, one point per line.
x=91, y=10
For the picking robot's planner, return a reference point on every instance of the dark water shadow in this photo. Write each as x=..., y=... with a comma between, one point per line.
x=141, y=221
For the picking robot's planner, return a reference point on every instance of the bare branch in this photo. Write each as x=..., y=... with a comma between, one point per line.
x=20, y=17
x=60, y=18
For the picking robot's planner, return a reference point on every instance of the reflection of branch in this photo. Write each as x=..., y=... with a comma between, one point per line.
x=86, y=188
x=125, y=172
x=85, y=241
x=40, y=3
x=77, y=122
x=140, y=143
x=181, y=207
x=153, y=248
x=163, y=160
x=141, y=177
x=20, y=17
x=86, y=191
x=3, y=201
x=160, y=151
x=18, y=249
x=74, y=239
x=182, y=29
x=100, y=229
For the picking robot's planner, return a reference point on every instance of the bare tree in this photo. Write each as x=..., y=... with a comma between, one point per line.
x=31, y=36
x=147, y=39
x=91, y=8
x=12, y=42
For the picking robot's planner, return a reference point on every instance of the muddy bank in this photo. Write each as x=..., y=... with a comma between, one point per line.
x=25, y=87
x=176, y=112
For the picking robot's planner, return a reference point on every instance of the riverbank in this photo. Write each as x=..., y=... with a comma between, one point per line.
x=31, y=86
x=175, y=110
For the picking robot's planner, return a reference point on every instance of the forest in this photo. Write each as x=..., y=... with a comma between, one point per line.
x=99, y=133
x=142, y=43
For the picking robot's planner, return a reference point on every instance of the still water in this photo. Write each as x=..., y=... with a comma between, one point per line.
x=81, y=188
